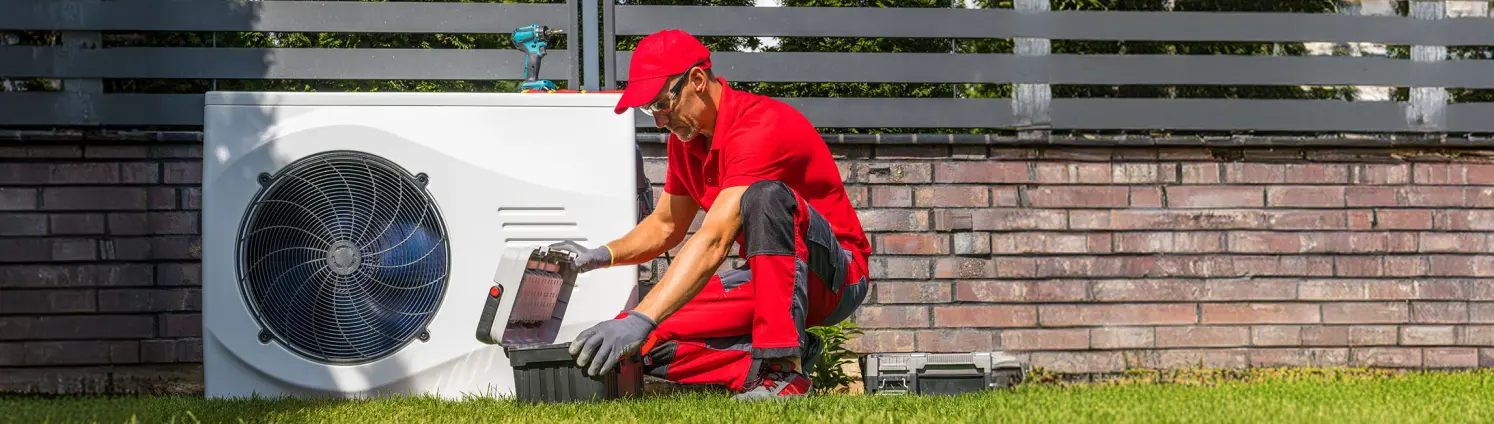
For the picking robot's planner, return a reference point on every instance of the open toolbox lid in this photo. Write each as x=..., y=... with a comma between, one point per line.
x=529, y=296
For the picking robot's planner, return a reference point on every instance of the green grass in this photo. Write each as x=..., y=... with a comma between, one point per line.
x=1269, y=396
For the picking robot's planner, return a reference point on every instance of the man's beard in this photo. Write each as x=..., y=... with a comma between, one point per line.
x=685, y=133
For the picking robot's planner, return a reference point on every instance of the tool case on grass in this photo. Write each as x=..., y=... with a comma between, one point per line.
x=548, y=373
x=940, y=373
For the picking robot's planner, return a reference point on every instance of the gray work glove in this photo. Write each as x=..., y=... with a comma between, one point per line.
x=586, y=259
x=598, y=349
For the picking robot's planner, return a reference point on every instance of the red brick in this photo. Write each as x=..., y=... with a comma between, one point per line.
x=1117, y=314
x=1428, y=335
x=1453, y=174
x=1215, y=196
x=14, y=199
x=1130, y=290
x=1356, y=290
x=1317, y=173
x=964, y=268
x=1475, y=220
x=1406, y=266
x=912, y=244
x=912, y=292
x=1298, y=357
x=1450, y=357
x=1371, y=196
x=860, y=197
x=1019, y=291
x=972, y=243
x=1388, y=357
x=956, y=341
x=1018, y=219
x=1041, y=242
x=894, y=219
x=1079, y=197
x=1079, y=362
x=1201, y=173
x=1276, y=335
x=1250, y=289
x=84, y=173
x=1122, y=337
x=881, y=341
x=1436, y=197
x=1478, y=335
x=1204, y=358
x=1462, y=265
x=1305, y=196
x=1259, y=313
x=1171, y=242
x=1005, y=197
x=1011, y=267
x=891, y=196
x=1372, y=335
x=1144, y=173
x=892, y=316
x=1197, y=336
x=1072, y=173
x=1063, y=339
x=991, y=316
x=1146, y=197
x=1328, y=335
x=982, y=172
x=1481, y=313
x=140, y=173
x=1366, y=313
x=1380, y=174
x=1254, y=173
x=185, y=151
x=952, y=196
x=185, y=274
x=1433, y=289
x=47, y=301
x=899, y=268
x=1439, y=312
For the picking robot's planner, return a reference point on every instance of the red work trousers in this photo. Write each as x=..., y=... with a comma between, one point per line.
x=797, y=276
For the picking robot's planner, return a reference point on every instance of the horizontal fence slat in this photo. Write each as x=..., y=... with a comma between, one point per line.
x=1230, y=114
x=308, y=63
x=282, y=16
x=1057, y=25
x=1093, y=69
x=26, y=109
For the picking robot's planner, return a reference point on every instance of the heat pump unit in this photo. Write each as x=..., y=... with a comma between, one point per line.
x=350, y=240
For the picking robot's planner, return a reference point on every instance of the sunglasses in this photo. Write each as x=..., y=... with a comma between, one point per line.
x=659, y=106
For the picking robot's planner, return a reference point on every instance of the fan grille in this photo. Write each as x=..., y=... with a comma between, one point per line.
x=343, y=257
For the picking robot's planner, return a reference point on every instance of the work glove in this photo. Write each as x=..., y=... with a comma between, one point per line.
x=586, y=259
x=599, y=348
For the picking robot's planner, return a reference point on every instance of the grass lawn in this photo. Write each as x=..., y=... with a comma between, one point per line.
x=1231, y=396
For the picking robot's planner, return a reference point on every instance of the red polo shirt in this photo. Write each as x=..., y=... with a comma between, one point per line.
x=759, y=138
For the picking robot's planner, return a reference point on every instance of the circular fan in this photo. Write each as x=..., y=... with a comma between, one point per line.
x=343, y=257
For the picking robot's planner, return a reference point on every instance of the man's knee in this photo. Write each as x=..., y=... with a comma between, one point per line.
x=768, y=209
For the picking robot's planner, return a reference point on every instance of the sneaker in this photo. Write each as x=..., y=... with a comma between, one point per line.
x=778, y=380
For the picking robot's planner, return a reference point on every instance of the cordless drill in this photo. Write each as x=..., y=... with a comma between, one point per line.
x=532, y=40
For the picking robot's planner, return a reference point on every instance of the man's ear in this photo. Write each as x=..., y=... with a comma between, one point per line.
x=699, y=80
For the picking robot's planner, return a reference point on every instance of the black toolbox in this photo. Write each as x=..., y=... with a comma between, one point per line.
x=548, y=373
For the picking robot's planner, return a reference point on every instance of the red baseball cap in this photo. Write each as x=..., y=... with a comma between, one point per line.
x=659, y=55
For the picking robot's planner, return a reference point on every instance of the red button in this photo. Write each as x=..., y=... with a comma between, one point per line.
x=494, y=291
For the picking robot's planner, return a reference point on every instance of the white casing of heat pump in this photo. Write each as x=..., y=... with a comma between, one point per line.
x=505, y=169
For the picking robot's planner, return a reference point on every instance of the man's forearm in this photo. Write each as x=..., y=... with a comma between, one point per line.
x=645, y=242
x=697, y=262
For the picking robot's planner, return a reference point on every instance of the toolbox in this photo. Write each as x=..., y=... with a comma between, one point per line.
x=940, y=373
x=548, y=373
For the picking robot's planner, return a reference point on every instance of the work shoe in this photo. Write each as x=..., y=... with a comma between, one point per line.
x=776, y=380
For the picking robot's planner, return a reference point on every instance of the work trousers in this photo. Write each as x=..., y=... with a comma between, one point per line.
x=797, y=276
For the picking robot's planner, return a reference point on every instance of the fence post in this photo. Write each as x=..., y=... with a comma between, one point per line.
x=590, y=39
x=1428, y=105
x=1032, y=102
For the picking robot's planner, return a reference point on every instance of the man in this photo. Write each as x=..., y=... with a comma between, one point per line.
x=767, y=181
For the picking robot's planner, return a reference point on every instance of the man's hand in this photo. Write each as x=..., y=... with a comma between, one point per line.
x=598, y=349
x=586, y=259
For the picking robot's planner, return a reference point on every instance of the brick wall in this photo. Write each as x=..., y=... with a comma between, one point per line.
x=1081, y=259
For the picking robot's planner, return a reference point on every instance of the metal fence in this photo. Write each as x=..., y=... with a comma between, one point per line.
x=1030, y=67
